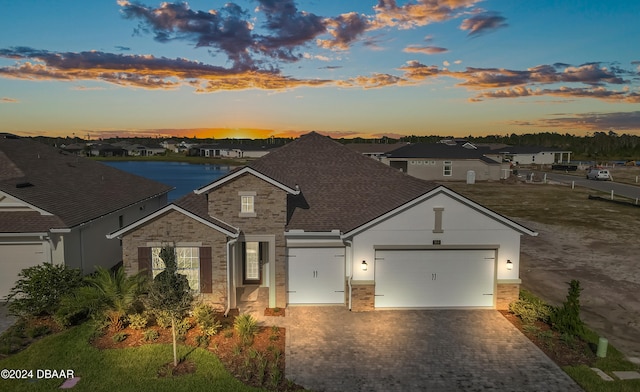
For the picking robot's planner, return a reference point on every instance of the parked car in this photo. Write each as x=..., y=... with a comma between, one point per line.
x=599, y=174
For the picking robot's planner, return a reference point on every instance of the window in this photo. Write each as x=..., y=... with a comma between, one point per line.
x=246, y=204
x=447, y=169
x=188, y=261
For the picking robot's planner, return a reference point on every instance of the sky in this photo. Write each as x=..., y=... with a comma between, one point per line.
x=261, y=68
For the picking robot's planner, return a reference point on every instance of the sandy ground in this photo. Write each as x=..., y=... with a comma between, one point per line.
x=607, y=263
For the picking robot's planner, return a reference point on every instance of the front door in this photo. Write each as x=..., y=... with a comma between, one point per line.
x=252, y=265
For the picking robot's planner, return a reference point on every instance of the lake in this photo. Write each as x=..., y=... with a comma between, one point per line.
x=185, y=177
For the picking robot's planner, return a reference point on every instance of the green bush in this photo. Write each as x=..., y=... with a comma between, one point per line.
x=119, y=337
x=38, y=331
x=150, y=335
x=202, y=340
x=566, y=318
x=247, y=327
x=163, y=318
x=39, y=289
x=530, y=308
x=205, y=317
x=138, y=320
x=182, y=327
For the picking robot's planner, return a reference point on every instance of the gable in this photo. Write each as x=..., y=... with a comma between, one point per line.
x=460, y=213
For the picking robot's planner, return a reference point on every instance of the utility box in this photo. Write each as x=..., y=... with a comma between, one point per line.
x=471, y=177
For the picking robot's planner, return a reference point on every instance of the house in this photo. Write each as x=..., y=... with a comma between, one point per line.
x=532, y=155
x=448, y=161
x=316, y=223
x=56, y=207
x=225, y=150
x=106, y=150
x=375, y=150
x=140, y=150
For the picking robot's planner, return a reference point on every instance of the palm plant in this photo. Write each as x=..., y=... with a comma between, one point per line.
x=106, y=295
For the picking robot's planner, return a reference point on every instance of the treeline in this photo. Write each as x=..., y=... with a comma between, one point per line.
x=599, y=145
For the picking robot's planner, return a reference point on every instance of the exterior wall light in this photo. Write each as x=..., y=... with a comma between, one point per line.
x=509, y=265
x=364, y=265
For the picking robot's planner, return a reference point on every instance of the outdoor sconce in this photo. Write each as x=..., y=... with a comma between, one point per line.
x=509, y=265
x=363, y=265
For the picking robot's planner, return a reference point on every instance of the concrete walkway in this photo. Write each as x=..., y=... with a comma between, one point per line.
x=332, y=349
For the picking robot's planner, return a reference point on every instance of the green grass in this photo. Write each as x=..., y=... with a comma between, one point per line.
x=132, y=369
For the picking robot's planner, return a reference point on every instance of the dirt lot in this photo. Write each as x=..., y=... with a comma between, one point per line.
x=592, y=241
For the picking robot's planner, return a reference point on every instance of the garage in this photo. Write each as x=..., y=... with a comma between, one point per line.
x=13, y=259
x=434, y=278
x=316, y=275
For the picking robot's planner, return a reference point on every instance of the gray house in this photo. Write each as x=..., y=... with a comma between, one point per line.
x=448, y=161
x=56, y=207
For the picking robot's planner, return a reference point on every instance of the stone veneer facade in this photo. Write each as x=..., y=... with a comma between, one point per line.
x=507, y=293
x=174, y=228
x=270, y=206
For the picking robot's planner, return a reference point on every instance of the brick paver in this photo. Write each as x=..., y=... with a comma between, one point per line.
x=332, y=349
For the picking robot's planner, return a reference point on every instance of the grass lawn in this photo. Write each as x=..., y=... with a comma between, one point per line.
x=132, y=369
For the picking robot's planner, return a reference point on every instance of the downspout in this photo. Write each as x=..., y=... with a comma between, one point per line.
x=350, y=243
x=229, y=282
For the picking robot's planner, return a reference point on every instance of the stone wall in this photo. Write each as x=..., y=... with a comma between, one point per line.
x=362, y=296
x=507, y=293
x=270, y=205
x=174, y=228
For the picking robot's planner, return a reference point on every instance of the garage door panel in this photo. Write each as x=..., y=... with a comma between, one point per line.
x=416, y=279
x=315, y=275
x=13, y=259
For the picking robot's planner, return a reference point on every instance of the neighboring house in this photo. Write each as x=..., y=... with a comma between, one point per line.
x=56, y=207
x=374, y=150
x=316, y=223
x=448, y=161
x=140, y=150
x=231, y=150
x=529, y=155
x=106, y=150
x=176, y=146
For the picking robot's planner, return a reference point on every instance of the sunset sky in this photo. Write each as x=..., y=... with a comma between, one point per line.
x=253, y=69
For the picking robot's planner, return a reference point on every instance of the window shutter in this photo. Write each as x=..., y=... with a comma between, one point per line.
x=206, y=270
x=144, y=260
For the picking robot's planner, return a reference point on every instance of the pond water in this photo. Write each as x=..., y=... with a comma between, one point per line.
x=185, y=177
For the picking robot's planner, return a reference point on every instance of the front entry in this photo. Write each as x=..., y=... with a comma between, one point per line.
x=252, y=260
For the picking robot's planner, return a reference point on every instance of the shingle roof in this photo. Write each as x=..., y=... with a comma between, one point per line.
x=74, y=189
x=340, y=189
x=443, y=151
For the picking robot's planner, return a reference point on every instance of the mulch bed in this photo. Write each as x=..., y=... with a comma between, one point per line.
x=239, y=359
x=563, y=353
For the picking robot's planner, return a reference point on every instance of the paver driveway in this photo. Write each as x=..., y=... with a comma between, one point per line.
x=332, y=349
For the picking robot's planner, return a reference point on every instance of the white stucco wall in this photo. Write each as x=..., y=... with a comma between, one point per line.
x=461, y=226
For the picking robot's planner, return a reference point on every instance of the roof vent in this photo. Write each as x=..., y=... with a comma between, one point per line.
x=23, y=185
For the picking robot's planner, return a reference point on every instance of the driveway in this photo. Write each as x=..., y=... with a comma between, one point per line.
x=332, y=349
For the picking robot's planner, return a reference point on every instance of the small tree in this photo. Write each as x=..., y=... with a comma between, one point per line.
x=170, y=292
x=566, y=318
x=40, y=288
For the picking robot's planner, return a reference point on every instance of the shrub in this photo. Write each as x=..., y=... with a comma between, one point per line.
x=247, y=327
x=163, y=318
x=150, y=335
x=138, y=320
x=205, y=317
x=182, y=327
x=566, y=318
x=119, y=337
x=530, y=308
x=40, y=288
x=38, y=331
x=202, y=340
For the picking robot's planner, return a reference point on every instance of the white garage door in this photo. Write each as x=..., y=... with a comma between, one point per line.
x=13, y=259
x=315, y=275
x=434, y=278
